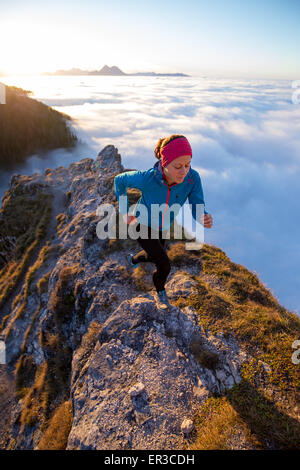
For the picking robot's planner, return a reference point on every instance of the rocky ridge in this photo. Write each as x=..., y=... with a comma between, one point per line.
x=135, y=376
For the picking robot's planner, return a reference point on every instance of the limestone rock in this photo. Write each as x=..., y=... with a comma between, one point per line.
x=127, y=368
x=137, y=389
x=187, y=426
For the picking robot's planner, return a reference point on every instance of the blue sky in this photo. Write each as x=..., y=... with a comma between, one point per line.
x=257, y=39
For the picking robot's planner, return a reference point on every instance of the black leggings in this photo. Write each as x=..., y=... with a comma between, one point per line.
x=154, y=251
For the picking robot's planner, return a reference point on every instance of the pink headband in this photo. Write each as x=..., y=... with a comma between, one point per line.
x=174, y=149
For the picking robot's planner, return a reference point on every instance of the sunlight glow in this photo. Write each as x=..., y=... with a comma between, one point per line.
x=24, y=53
x=36, y=47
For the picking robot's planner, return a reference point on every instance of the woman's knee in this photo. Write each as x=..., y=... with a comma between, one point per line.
x=164, y=265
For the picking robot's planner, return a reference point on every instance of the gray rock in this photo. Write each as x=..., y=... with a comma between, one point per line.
x=187, y=426
x=137, y=389
x=129, y=368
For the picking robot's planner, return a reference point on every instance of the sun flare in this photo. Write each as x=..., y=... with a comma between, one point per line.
x=32, y=48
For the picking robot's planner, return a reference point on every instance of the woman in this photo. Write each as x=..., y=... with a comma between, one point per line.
x=170, y=181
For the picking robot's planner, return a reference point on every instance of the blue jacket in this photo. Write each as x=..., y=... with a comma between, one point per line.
x=155, y=190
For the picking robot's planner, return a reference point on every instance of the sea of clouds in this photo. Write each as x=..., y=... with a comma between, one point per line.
x=246, y=146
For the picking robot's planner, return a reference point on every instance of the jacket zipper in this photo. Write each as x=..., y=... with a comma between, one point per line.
x=162, y=224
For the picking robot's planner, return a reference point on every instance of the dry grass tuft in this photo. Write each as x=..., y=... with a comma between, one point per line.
x=219, y=427
x=205, y=357
x=56, y=435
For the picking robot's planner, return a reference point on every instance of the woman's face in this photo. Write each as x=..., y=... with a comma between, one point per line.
x=177, y=170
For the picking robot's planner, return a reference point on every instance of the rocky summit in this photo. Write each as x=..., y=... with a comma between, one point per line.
x=93, y=363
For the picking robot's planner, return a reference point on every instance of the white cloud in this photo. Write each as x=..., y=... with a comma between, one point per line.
x=246, y=147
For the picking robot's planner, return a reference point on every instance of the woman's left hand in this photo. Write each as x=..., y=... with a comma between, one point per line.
x=207, y=220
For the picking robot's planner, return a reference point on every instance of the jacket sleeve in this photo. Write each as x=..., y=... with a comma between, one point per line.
x=128, y=179
x=196, y=195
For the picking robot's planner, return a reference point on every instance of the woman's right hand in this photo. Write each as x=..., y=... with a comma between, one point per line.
x=129, y=219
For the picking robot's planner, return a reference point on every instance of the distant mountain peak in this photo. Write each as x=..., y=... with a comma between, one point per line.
x=106, y=70
x=114, y=70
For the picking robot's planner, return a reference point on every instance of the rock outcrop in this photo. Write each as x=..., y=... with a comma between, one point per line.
x=81, y=330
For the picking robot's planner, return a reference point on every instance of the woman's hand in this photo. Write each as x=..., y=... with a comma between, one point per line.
x=129, y=219
x=207, y=220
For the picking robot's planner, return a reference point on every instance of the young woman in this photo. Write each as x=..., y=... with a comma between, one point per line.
x=171, y=181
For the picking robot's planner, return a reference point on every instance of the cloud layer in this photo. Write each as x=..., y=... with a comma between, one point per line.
x=246, y=147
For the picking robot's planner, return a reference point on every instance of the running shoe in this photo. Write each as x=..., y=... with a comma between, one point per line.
x=162, y=300
x=129, y=261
